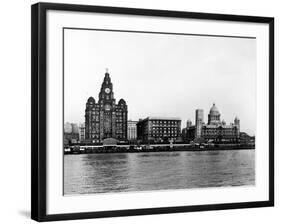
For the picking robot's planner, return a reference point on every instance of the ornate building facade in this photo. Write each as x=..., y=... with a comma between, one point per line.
x=105, y=118
x=132, y=130
x=158, y=129
x=214, y=131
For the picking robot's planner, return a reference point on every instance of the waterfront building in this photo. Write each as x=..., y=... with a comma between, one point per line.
x=75, y=128
x=246, y=139
x=188, y=123
x=132, y=130
x=82, y=132
x=199, y=119
x=71, y=133
x=105, y=118
x=214, y=131
x=158, y=129
x=67, y=127
x=186, y=133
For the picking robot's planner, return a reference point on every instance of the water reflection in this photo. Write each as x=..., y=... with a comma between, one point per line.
x=101, y=173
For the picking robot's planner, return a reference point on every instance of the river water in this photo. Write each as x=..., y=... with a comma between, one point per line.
x=122, y=172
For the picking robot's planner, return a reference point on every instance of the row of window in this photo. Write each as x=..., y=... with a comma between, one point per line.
x=164, y=135
x=119, y=135
x=219, y=132
x=164, y=122
x=97, y=110
x=165, y=131
x=165, y=128
x=119, y=132
x=93, y=106
x=165, y=125
x=94, y=116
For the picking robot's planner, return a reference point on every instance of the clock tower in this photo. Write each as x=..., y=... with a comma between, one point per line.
x=106, y=95
x=109, y=120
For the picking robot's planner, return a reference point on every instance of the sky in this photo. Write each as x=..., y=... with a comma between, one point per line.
x=162, y=74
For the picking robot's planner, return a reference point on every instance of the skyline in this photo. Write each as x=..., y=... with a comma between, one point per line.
x=183, y=124
x=151, y=78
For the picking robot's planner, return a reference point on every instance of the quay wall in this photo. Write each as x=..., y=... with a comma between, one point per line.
x=152, y=148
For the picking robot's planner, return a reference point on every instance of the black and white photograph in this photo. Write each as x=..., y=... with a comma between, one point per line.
x=144, y=111
x=156, y=111
x=124, y=111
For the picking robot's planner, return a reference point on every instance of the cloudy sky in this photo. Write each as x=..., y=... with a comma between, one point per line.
x=162, y=74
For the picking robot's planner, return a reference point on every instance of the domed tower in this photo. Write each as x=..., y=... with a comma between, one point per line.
x=214, y=116
x=104, y=119
x=106, y=95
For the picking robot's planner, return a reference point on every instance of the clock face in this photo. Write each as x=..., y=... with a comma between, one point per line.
x=107, y=90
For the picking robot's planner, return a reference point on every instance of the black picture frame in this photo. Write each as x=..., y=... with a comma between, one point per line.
x=39, y=107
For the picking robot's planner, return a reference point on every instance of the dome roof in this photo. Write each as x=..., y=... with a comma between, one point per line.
x=236, y=118
x=91, y=99
x=214, y=110
x=122, y=101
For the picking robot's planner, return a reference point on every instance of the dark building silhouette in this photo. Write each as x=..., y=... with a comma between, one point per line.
x=158, y=129
x=214, y=131
x=105, y=119
x=246, y=139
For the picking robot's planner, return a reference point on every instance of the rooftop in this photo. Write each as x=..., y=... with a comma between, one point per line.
x=214, y=109
x=162, y=118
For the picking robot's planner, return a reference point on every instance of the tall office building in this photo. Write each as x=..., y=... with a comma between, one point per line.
x=82, y=132
x=199, y=120
x=132, y=130
x=188, y=123
x=106, y=118
x=237, y=124
x=75, y=128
